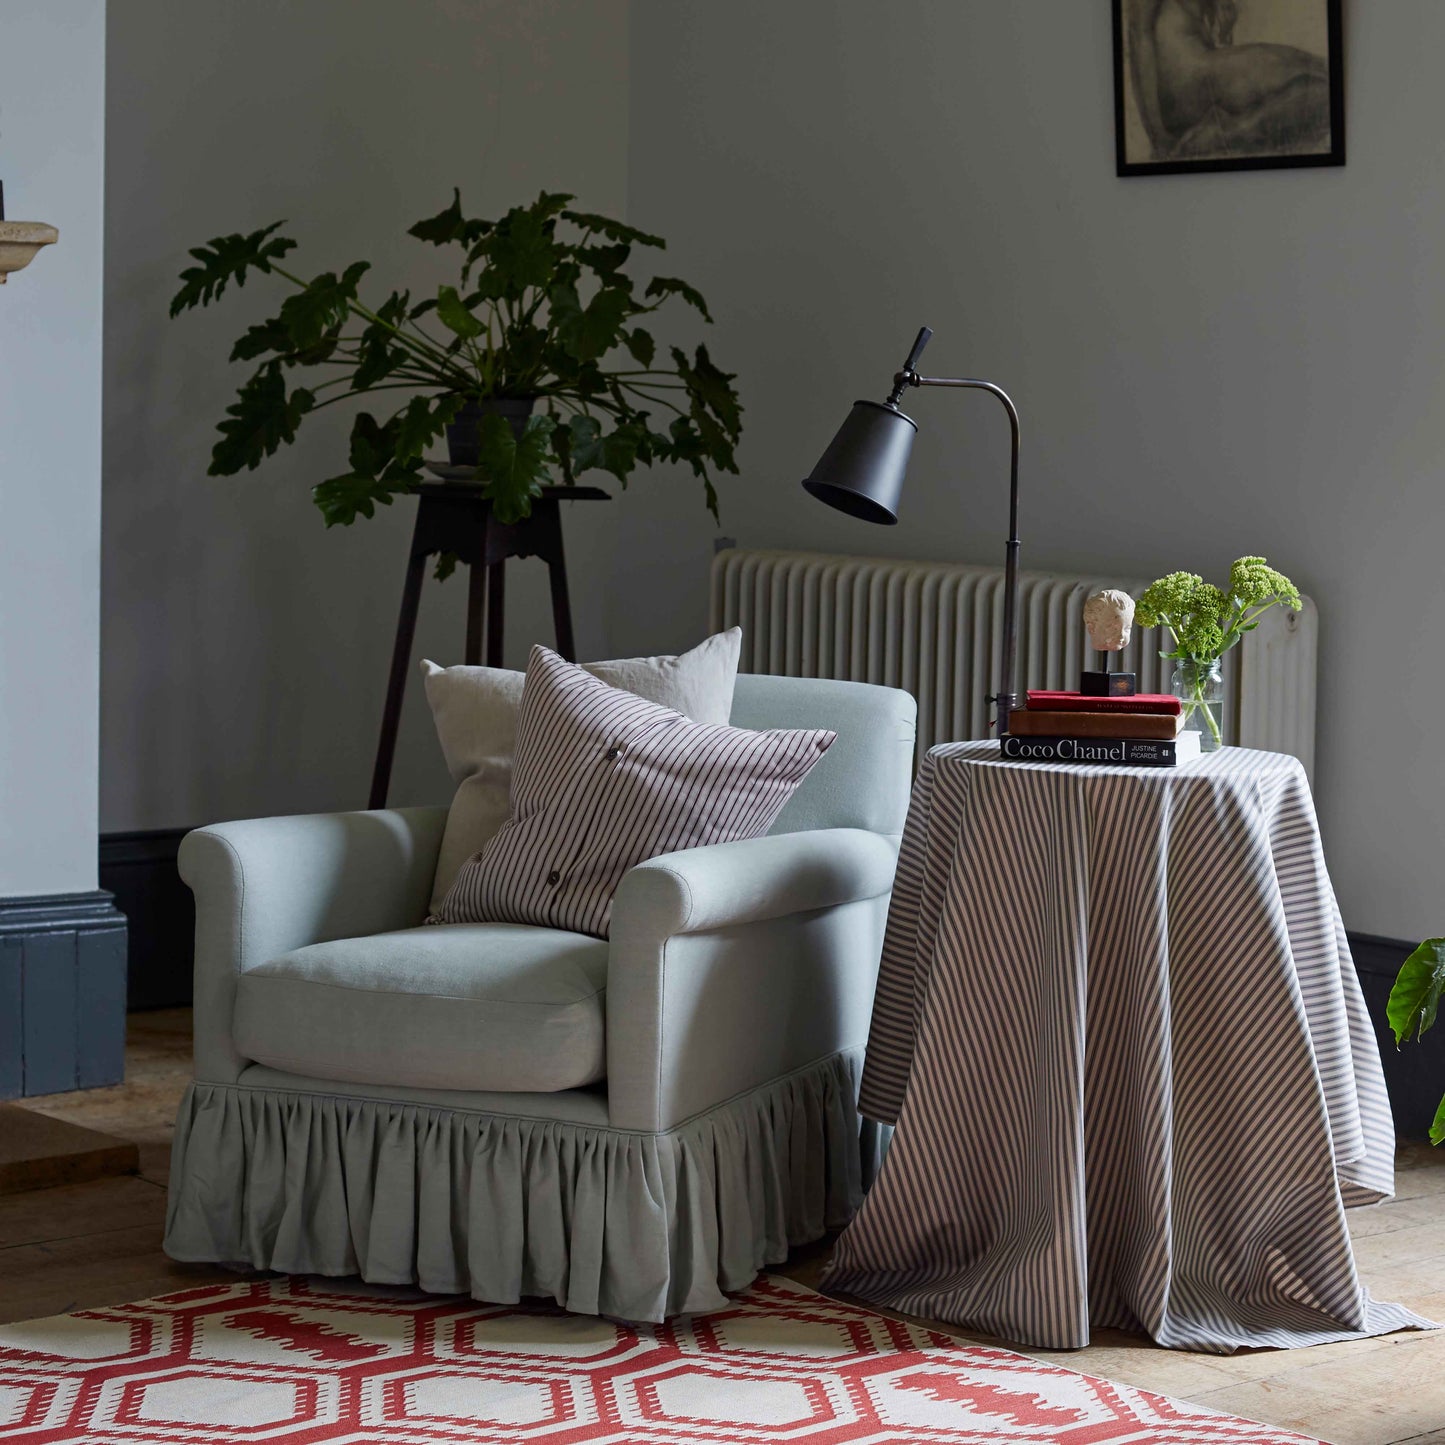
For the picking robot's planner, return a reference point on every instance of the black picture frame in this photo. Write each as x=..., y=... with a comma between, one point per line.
x=1245, y=160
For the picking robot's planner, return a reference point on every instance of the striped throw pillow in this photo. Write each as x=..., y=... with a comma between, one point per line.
x=604, y=780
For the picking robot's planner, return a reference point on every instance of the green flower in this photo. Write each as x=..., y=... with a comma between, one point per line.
x=1205, y=621
x=1168, y=597
x=1252, y=582
x=1201, y=637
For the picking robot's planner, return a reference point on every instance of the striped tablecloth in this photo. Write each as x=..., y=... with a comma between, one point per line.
x=1120, y=1035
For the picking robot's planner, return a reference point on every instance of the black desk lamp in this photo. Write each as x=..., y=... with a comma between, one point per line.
x=862, y=472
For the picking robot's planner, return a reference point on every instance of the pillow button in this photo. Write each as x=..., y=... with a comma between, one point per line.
x=554, y=878
x=613, y=754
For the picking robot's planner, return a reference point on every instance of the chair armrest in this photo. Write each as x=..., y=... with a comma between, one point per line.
x=736, y=964
x=752, y=881
x=267, y=885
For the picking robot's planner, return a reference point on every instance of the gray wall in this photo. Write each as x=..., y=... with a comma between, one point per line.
x=1206, y=365
x=52, y=98
x=245, y=646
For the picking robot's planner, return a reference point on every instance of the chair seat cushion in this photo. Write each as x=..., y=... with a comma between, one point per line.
x=469, y=1006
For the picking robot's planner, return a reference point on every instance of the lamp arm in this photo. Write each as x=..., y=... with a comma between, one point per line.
x=1005, y=700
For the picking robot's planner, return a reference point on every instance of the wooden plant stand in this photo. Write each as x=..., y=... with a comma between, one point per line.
x=455, y=517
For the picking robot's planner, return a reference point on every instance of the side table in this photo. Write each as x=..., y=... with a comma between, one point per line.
x=1119, y=1033
x=457, y=517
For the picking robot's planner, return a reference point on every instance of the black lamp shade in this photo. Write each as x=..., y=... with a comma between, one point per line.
x=862, y=471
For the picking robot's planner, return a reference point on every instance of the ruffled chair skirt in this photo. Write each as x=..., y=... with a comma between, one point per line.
x=604, y=1221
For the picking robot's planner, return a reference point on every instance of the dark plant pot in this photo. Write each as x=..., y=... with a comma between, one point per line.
x=462, y=433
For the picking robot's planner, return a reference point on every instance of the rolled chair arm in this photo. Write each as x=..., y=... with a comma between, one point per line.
x=264, y=886
x=753, y=880
x=733, y=965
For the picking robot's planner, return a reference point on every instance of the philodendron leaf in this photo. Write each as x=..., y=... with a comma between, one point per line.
x=345, y=498
x=710, y=390
x=665, y=286
x=379, y=470
x=1415, y=997
x=226, y=259
x=520, y=252
x=613, y=230
x=585, y=448
x=513, y=470
x=378, y=353
x=453, y=314
x=641, y=345
x=444, y=227
x=421, y=419
x=261, y=419
x=593, y=330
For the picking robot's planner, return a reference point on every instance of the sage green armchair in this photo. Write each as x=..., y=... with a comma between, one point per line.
x=632, y=1126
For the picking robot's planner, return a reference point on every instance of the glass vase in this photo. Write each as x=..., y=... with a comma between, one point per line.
x=1200, y=687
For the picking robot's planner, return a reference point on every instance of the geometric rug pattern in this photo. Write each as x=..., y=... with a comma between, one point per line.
x=311, y=1360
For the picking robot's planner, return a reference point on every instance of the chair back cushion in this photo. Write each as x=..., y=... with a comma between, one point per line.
x=867, y=776
x=475, y=711
x=604, y=780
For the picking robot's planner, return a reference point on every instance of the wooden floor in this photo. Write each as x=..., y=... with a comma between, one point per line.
x=83, y=1245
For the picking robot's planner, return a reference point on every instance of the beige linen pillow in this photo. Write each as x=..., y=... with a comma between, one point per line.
x=475, y=710
x=605, y=780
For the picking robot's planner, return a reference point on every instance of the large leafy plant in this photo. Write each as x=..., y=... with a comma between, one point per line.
x=544, y=308
x=1414, y=1002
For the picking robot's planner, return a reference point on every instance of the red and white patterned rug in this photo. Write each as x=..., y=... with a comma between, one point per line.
x=300, y=1360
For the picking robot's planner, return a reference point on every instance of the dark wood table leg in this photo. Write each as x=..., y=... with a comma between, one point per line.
x=496, y=612
x=396, y=683
x=476, y=609
x=561, y=607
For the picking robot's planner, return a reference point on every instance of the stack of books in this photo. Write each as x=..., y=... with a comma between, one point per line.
x=1146, y=730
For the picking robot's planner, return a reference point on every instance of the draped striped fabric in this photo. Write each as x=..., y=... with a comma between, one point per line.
x=1120, y=1034
x=604, y=780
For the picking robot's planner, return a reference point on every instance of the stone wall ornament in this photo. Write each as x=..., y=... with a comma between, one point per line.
x=20, y=240
x=1109, y=618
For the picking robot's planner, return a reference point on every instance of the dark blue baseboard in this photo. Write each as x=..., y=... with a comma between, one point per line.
x=62, y=993
x=140, y=870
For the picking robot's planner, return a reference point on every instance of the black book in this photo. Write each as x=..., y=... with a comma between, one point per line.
x=1132, y=752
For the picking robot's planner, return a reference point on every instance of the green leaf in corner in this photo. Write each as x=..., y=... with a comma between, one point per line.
x=1437, y=1127
x=1415, y=997
x=514, y=470
x=453, y=314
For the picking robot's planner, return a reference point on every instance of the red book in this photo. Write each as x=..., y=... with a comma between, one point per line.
x=1152, y=702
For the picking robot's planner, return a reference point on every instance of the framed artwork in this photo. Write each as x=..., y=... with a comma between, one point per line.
x=1227, y=85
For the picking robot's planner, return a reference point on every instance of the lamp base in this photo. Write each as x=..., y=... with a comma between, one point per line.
x=1107, y=684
